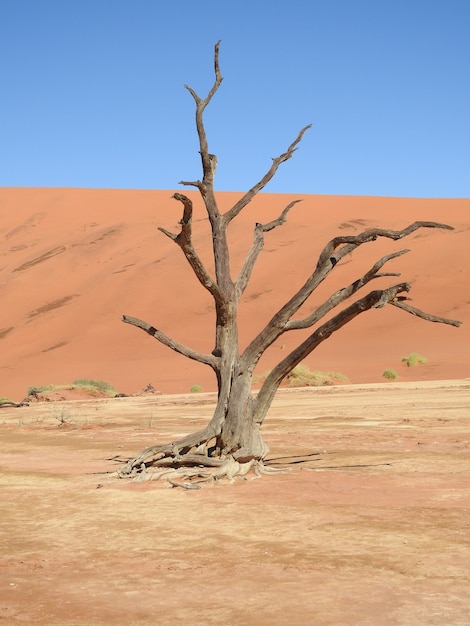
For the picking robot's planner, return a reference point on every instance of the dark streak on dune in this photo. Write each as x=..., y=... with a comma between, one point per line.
x=50, y=306
x=39, y=259
x=20, y=247
x=101, y=236
x=5, y=331
x=256, y=295
x=124, y=269
x=106, y=234
x=55, y=346
x=30, y=223
x=355, y=223
x=422, y=235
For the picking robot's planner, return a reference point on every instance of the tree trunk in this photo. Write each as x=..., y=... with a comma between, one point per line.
x=240, y=436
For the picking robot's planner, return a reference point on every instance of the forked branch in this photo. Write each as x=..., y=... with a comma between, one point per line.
x=375, y=299
x=270, y=386
x=346, y=292
x=208, y=160
x=256, y=247
x=331, y=254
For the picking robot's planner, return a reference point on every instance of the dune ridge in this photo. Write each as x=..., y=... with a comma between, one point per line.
x=74, y=260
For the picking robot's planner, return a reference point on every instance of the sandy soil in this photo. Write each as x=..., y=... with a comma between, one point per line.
x=369, y=526
x=72, y=261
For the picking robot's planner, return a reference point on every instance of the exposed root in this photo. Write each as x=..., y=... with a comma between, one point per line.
x=170, y=454
x=261, y=468
x=191, y=471
x=172, y=474
x=184, y=485
x=187, y=463
x=10, y=403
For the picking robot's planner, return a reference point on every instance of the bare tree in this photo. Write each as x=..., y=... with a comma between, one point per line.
x=232, y=443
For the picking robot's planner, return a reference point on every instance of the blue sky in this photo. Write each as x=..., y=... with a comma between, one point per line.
x=92, y=94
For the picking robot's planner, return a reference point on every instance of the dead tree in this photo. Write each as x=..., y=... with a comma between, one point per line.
x=232, y=443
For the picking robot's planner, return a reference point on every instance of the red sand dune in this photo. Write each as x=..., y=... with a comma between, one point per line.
x=74, y=260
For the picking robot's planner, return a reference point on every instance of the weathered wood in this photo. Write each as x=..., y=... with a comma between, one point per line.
x=10, y=403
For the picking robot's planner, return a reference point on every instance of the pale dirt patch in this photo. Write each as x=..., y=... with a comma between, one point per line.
x=370, y=526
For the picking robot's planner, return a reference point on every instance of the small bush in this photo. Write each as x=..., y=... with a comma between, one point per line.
x=259, y=379
x=86, y=383
x=414, y=359
x=91, y=386
x=196, y=389
x=33, y=390
x=302, y=376
x=390, y=374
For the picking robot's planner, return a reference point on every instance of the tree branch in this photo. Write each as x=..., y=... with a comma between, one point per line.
x=191, y=183
x=258, y=243
x=248, y=197
x=207, y=359
x=343, y=294
x=217, y=82
x=279, y=221
x=423, y=315
x=208, y=160
x=184, y=241
x=168, y=233
x=375, y=299
x=351, y=242
x=206, y=189
x=328, y=259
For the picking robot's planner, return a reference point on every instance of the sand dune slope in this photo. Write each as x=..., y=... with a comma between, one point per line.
x=73, y=261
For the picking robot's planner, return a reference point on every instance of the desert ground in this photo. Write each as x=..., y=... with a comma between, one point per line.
x=368, y=524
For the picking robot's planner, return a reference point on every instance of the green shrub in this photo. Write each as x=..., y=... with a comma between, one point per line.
x=42, y=389
x=302, y=376
x=414, y=359
x=91, y=386
x=390, y=374
x=260, y=378
x=86, y=383
x=196, y=389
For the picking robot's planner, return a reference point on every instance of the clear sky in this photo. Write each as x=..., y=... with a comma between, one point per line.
x=92, y=94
